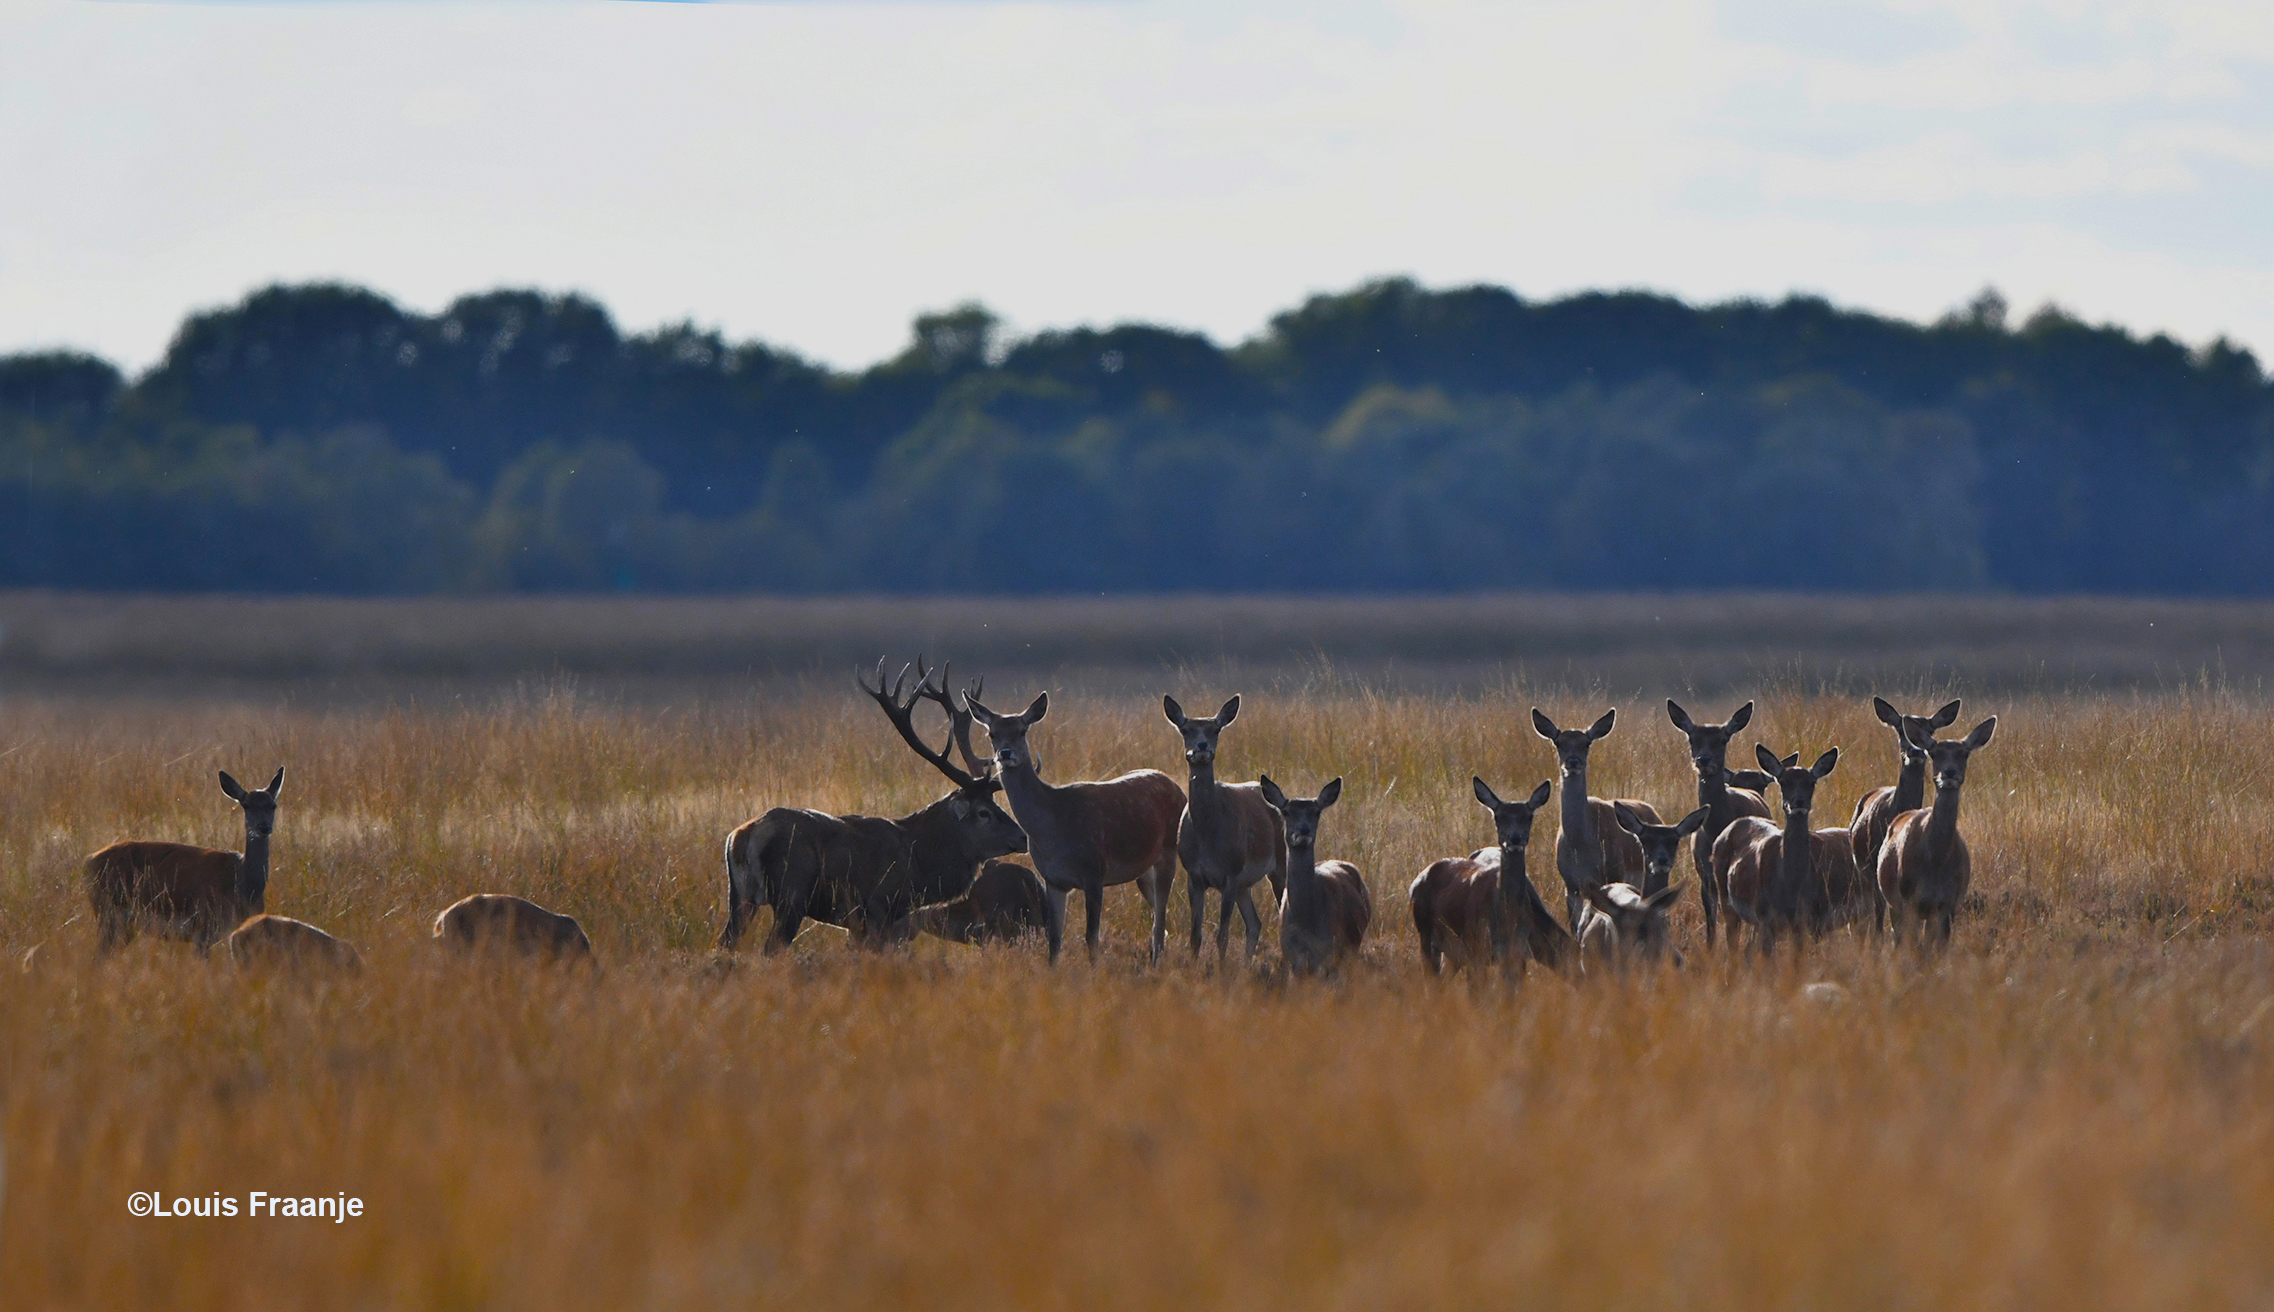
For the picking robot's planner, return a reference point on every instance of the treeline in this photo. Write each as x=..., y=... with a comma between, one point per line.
x=321, y=438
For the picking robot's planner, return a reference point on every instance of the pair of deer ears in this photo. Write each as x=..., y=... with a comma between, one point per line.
x=1278, y=799
x=1229, y=712
x=1893, y=718
x=1979, y=738
x=1492, y=800
x=237, y=791
x=1034, y=711
x=1545, y=727
x=1631, y=820
x=1770, y=763
x=1681, y=718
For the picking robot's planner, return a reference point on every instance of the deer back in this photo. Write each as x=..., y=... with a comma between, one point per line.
x=174, y=889
x=1129, y=822
x=497, y=920
x=280, y=942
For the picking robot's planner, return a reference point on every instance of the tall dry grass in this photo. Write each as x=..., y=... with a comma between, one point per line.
x=2071, y=1110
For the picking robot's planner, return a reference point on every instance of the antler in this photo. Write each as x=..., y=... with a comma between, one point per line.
x=959, y=717
x=900, y=712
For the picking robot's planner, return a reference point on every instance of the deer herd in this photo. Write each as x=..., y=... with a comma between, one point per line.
x=1900, y=865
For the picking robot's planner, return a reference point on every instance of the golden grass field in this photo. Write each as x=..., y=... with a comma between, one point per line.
x=2074, y=1108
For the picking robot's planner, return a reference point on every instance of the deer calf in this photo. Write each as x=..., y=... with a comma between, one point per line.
x=281, y=943
x=1483, y=906
x=1004, y=902
x=1326, y=911
x=1924, y=869
x=178, y=891
x=498, y=922
x=1621, y=921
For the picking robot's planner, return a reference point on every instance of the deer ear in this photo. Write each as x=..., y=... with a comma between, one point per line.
x=1825, y=763
x=1170, y=709
x=979, y=712
x=1790, y=763
x=230, y=786
x=1691, y=821
x=1229, y=712
x=1271, y=792
x=1680, y=717
x=1540, y=795
x=1484, y=792
x=1330, y=793
x=1980, y=738
x=1599, y=897
x=1743, y=717
x=1753, y=779
x=1948, y=715
x=1918, y=736
x=1603, y=726
x=1628, y=820
x=1037, y=708
x=276, y=785
x=959, y=806
x=1767, y=758
x=1887, y=713
x=1542, y=725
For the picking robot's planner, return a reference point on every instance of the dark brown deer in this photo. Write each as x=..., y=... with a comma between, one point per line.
x=1324, y=916
x=1709, y=755
x=1590, y=848
x=1483, y=907
x=1877, y=809
x=865, y=873
x=1091, y=835
x=178, y=891
x=1005, y=902
x=1230, y=838
x=281, y=943
x=1924, y=868
x=1798, y=878
x=498, y=922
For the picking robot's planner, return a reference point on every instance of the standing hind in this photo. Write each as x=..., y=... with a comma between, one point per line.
x=178, y=891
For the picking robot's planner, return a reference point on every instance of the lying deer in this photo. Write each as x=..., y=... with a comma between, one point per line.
x=1622, y=921
x=1230, y=838
x=281, y=943
x=1719, y=792
x=1590, y=849
x=498, y=922
x=1088, y=836
x=1483, y=906
x=1004, y=902
x=178, y=891
x=1326, y=911
x=1799, y=877
x=1924, y=868
x=1877, y=809
x=865, y=873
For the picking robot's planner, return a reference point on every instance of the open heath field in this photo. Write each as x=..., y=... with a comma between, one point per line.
x=2072, y=1107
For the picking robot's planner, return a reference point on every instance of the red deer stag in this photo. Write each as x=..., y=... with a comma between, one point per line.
x=1004, y=902
x=1590, y=848
x=282, y=943
x=864, y=873
x=1797, y=877
x=1326, y=911
x=1709, y=754
x=1230, y=838
x=1924, y=868
x=178, y=891
x=499, y=922
x=1622, y=922
x=1877, y=809
x=1483, y=906
x=1088, y=836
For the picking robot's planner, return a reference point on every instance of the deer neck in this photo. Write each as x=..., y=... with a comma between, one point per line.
x=1798, y=859
x=1572, y=809
x=1033, y=802
x=252, y=874
x=1942, y=824
x=1302, y=871
x=1201, y=797
x=1910, y=785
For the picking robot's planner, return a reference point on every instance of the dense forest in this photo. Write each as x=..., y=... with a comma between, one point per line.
x=320, y=438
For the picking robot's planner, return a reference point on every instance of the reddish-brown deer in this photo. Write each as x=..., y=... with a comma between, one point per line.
x=179, y=891
x=497, y=922
x=281, y=943
x=1799, y=878
x=1326, y=911
x=864, y=873
x=1877, y=809
x=1590, y=848
x=1005, y=902
x=1090, y=835
x=1924, y=868
x=1483, y=906
x=1709, y=755
x=1230, y=838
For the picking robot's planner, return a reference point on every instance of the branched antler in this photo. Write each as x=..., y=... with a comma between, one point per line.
x=959, y=717
x=899, y=705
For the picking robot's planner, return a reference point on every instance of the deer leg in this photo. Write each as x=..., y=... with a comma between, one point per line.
x=1054, y=918
x=1157, y=893
x=1093, y=909
x=1709, y=900
x=739, y=911
x=1224, y=904
x=1199, y=895
x=1254, y=921
x=787, y=922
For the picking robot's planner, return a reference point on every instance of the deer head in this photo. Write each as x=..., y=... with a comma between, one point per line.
x=1903, y=724
x=1639, y=920
x=1511, y=821
x=1796, y=782
x=1301, y=814
x=1709, y=743
x=1660, y=843
x=1200, y=734
x=1949, y=758
x=259, y=803
x=1571, y=744
x=1752, y=780
x=1007, y=733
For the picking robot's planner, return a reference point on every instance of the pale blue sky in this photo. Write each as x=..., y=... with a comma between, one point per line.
x=814, y=174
